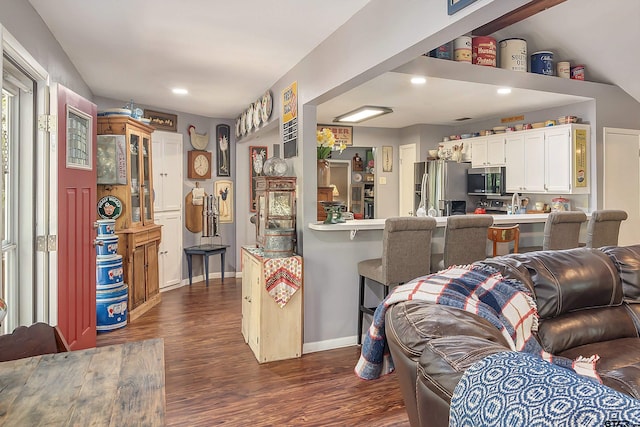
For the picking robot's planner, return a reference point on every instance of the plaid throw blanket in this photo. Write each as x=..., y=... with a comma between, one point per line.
x=478, y=289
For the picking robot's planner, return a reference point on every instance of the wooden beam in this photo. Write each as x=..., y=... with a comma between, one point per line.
x=522, y=13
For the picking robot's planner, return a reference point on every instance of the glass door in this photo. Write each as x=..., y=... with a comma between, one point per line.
x=134, y=150
x=147, y=202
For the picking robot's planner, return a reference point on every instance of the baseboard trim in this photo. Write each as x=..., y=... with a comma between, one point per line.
x=312, y=347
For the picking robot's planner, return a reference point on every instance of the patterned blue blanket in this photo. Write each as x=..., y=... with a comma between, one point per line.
x=480, y=290
x=513, y=389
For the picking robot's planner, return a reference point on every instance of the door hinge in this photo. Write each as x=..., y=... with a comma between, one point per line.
x=48, y=122
x=46, y=243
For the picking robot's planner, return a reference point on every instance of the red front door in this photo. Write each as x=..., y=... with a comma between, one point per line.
x=76, y=148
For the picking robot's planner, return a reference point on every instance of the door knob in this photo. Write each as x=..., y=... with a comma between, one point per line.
x=98, y=243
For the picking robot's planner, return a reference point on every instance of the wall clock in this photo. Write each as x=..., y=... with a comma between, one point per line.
x=199, y=164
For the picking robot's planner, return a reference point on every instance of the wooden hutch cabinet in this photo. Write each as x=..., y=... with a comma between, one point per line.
x=132, y=184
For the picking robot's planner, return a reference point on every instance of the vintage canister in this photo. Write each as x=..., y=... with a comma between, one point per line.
x=106, y=227
x=484, y=51
x=577, y=72
x=107, y=246
x=513, y=54
x=462, y=49
x=542, y=63
x=563, y=69
x=109, y=271
x=111, y=308
x=442, y=52
x=278, y=242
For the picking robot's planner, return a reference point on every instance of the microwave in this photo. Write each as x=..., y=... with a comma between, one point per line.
x=486, y=181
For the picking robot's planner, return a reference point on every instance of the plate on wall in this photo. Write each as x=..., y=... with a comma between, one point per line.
x=267, y=105
x=109, y=207
x=238, y=127
x=257, y=116
x=249, y=122
x=357, y=177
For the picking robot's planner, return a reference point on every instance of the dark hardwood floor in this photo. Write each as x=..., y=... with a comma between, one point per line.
x=213, y=378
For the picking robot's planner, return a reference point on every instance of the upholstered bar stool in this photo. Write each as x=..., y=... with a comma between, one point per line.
x=465, y=239
x=562, y=230
x=504, y=235
x=406, y=254
x=604, y=227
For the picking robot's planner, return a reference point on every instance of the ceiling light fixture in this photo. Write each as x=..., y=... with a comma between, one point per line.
x=504, y=90
x=363, y=113
x=179, y=91
x=418, y=80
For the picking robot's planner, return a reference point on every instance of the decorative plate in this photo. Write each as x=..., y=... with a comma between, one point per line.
x=243, y=123
x=267, y=105
x=109, y=207
x=257, y=115
x=249, y=122
x=357, y=177
x=238, y=127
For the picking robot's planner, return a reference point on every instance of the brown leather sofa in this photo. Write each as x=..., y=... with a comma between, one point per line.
x=588, y=302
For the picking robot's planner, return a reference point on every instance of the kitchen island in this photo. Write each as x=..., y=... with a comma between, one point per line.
x=341, y=246
x=353, y=226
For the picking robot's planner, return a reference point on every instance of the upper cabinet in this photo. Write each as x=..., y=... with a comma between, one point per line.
x=167, y=171
x=488, y=151
x=549, y=160
x=132, y=185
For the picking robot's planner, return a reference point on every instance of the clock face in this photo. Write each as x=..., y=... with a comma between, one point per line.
x=201, y=164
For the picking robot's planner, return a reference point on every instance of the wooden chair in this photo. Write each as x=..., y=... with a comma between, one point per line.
x=35, y=340
x=504, y=235
x=406, y=254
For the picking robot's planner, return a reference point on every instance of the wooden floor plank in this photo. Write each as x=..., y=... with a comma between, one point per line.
x=213, y=378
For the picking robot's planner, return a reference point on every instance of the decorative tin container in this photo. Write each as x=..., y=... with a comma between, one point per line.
x=111, y=308
x=462, y=49
x=542, y=63
x=513, y=54
x=563, y=69
x=107, y=246
x=278, y=242
x=109, y=271
x=484, y=51
x=577, y=72
x=106, y=227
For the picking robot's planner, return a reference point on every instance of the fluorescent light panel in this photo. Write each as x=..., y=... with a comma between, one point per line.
x=363, y=113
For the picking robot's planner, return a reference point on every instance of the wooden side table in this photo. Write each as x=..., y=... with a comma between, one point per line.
x=206, y=251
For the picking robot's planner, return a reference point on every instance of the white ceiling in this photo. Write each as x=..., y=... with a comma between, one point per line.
x=227, y=53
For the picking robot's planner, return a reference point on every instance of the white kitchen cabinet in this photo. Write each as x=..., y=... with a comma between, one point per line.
x=273, y=333
x=550, y=160
x=167, y=171
x=170, y=250
x=488, y=151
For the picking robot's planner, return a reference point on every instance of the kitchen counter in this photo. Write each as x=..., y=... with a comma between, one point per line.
x=355, y=225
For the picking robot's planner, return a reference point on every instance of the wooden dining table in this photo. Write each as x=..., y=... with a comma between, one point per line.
x=105, y=386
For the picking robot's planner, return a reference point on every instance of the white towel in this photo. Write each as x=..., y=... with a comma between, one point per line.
x=197, y=198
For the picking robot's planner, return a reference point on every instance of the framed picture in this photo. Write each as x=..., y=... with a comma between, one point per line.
x=387, y=159
x=223, y=152
x=162, y=121
x=343, y=134
x=454, y=6
x=223, y=189
x=257, y=156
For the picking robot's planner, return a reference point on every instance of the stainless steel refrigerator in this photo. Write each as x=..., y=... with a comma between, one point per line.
x=446, y=186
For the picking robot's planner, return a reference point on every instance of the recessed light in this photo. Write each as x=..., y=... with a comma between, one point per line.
x=179, y=91
x=504, y=90
x=418, y=80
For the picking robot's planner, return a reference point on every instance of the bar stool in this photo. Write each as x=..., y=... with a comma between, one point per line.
x=604, y=227
x=465, y=239
x=504, y=235
x=562, y=230
x=406, y=254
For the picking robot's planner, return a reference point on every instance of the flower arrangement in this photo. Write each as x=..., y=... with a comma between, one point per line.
x=326, y=143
